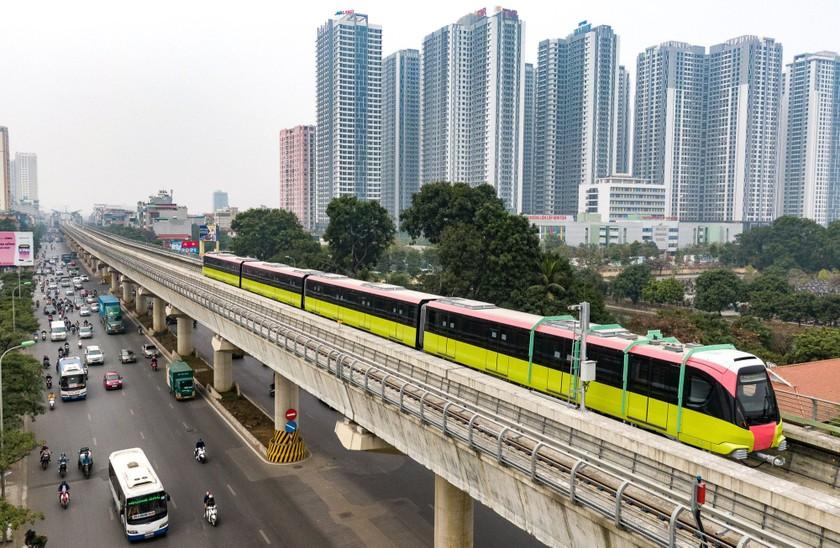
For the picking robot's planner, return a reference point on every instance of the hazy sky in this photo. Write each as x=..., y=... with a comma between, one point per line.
x=120, y=99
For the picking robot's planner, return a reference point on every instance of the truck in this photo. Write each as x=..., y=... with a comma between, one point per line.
x=110, y=314
x=179, y=379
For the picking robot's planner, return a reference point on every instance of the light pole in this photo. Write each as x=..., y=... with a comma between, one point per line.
x=294, y=263
x=14, y=323
x=23, y=344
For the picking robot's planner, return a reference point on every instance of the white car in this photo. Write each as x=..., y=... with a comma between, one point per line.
x=77, y=280
x=85, y=331
x=84, y=311
x=84, y=278
x=93, y=355
x=52, y=286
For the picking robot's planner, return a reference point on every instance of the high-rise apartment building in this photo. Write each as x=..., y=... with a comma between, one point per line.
x=575, y=115
x=809, y=148
x=297, y=173
x=472, y=103
x=25, y=177
x=5, y=173
x=529, y=101
x=621, y=148
x=220, y=200
x=349, y=110
x=400, y=130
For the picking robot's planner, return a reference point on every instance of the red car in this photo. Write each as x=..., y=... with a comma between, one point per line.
x=112, y=381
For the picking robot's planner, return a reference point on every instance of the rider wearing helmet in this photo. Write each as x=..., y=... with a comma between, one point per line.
x=208, y=501
x=63, y=486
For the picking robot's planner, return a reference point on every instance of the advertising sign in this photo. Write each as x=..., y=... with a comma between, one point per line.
x=189, y=244
x=207, y=233
x=17, y=249
x=175, y=245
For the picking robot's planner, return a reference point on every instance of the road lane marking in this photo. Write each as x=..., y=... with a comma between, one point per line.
x=111, y=513
x=89, y=418
x=158, y=387
x=94, y=441
x=175, y=506
x=171, y=406
x=142, y=437
x=265, y=538
x=232, y=492
x=131, y=411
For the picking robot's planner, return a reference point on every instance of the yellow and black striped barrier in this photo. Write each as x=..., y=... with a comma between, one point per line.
x=286, y=447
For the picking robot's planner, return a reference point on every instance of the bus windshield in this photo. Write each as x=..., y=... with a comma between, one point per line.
x=70, y=382
x=146, y=508
x=755, y=396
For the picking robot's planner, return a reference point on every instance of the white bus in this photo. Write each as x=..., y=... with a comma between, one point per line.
x=138, y=494
x=58, y=332
x=72, y=380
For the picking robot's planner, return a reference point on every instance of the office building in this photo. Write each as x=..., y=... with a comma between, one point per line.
x=472, y=103
x=621, y=146
x=220, y=200
x=297, y=173
x=575, y=115
x=223, y=218
x=809, y=149
x=400, y=130
x=622, y=197
x=529, y=100
x=5, y=173
x=25, y=178
x=349, y=111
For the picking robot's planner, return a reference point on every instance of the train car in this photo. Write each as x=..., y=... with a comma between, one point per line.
x=225, y=267
x=276, y=281
x=727, y=405
x=390, y=311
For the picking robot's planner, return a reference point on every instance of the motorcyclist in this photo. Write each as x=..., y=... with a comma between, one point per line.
x=208, y=501
x=60, y=352
x=85, y=456
x=154, y=362
x=45, y=452
x=63, y=458
x=43, y=335
x=64, y=487
x=199, y=445
x=49, y=380
x=46, y=361
x=66, y=347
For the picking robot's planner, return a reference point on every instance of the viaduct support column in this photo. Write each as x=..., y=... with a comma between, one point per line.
x=287, y=444
x=140, y=301
x=453, y=516
x=158, y=316
x=127, y=286
x=222, y=364
x=115, y=281
x=183, y=331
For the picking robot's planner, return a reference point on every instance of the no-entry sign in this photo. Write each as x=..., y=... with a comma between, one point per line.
x=291, y=414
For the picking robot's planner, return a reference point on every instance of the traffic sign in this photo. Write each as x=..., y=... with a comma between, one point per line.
x=291, y=427
x=291, y=414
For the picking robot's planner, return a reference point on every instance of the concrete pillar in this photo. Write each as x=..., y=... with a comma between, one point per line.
x=139, y=301
x=222, y=364
x=158, y=315
x=286, y=396
x=115, y=281
x=453, y=516
x=184, y=334
x=127, y=286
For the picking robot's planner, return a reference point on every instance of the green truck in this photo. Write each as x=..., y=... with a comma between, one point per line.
x=179, y=378
x=110, y=314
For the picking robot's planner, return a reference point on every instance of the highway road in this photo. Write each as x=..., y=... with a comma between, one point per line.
x=335, y=498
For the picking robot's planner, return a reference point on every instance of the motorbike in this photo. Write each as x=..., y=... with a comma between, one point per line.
x=62, y=468
x=49, y=382
x=46, y=362
x=80, y=343
x=52, y=404
x=43, y=335
x=211, y=514
x=45, y=460
x=200, y=454
x=154, y=364
x=64, y=499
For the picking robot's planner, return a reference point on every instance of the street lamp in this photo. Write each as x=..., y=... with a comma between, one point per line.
x=14, y=323
x=23, y=344
x=294, y=263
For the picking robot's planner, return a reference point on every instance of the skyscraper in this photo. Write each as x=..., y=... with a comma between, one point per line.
x=400, y=130
x=621, y=148
x=809, y=167
x=25, y=177
x=220, y=200
x=5, y=174
x=472, y=106
x=529, y=100
x=297, y=173
x=349, y=111
x=670, y=113
x=575, y=115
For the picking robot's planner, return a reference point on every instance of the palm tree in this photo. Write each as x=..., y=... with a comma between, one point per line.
x=549, y=279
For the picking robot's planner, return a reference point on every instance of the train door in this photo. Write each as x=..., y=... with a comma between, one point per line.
x=506, y=344
x=664, y=380
x=637, y=388
x=492, y=348
x=451, y=343
x=394, y=326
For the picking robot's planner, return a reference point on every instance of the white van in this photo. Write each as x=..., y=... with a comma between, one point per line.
x=58, y=332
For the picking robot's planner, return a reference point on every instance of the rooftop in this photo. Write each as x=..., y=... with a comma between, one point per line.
x=820, y=379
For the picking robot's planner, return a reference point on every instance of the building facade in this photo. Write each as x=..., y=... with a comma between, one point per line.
x=220, y=200
x=622, y=197
x=5, y=172
x=297, y=173
x=621, y=147
x=25, y=177
x=400, y=130
x=809, y=162
x=349, y=111
x=472, y=103
x=528, y=135
x=575, y=115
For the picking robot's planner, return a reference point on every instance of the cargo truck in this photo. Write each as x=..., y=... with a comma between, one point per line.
x=110, y=314
x=179, y=378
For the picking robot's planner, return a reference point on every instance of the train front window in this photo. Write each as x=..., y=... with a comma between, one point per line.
x=755, y=396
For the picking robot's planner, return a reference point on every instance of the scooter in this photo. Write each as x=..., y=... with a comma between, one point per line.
x=64, y=499
x=49, y=382
x=212, y=515
x=45, y=460
x=62, y=468
x=200, y=454
x=52, y=404
x=154, y=364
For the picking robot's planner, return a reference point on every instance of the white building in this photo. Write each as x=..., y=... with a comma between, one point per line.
x=5, y=172
x=472, y=103
x=809, y=148
x=575, y=120
x=25, y=177
x=349, y=111
x=528, y=136
x=623, y=197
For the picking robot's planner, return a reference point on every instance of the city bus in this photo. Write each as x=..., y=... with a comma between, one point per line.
x=58, y=331
x=138, y=494
x=72, y=380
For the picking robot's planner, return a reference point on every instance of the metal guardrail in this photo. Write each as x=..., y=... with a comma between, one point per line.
x=809, y=410
x=441, y=403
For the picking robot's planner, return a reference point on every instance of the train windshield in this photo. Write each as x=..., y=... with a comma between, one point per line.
x=755, y=396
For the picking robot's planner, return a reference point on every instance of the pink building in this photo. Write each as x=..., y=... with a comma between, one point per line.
x=297, y=173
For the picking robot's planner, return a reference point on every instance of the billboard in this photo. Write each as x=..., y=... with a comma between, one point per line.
x=17, y=249
x=207, y=233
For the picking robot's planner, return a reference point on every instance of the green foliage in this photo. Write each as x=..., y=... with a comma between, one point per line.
x=403, y=258
x=667, y=291
x=815, y=344
x=631, y=281
x=276, y=235
x=790, y=242
x=17, y=516
x=441, y=205
x=771, y=280
x=553, y=279
x=22, y=388
x=8, y=224
x=718, y=289
x=133, y=233
x=358, y=233
x=16, y=445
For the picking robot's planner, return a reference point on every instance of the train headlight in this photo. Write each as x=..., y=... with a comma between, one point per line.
x=782, y=445
x=739, y=454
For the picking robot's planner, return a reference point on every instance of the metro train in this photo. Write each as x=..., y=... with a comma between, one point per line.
x=715, y=398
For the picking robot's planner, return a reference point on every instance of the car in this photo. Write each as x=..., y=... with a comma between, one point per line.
x=83, y=293
x=78, y=302
x=94, y=355
x=77, y=280
x=52, y=286
x=66, y=283
x=150, y=350
x=69, y=292
x=77, y=286
x=86, y=332
x=94, y=306
x=112, y=381
x=127, y=356
x=84, y=310
x=90, y=299
x=84, y=278
x=50, y=310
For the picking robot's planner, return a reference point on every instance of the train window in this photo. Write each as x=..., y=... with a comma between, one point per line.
x=704, y=394
x=664, y=380
x=609, y=365
x=552, y=351
x=639, y=376
x=699, y=391
x=513, y=342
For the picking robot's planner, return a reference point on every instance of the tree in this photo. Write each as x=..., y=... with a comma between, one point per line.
x=772, y=280
x=358, y=233
x=17, y=516
x=441, y=205
x=789, y=241
x=22, y=388
x=667, y=291
x=815, y=344
x=717, y=289
x=631, y=281
x=16, y=445
x=272, y=234
x=553, y=282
